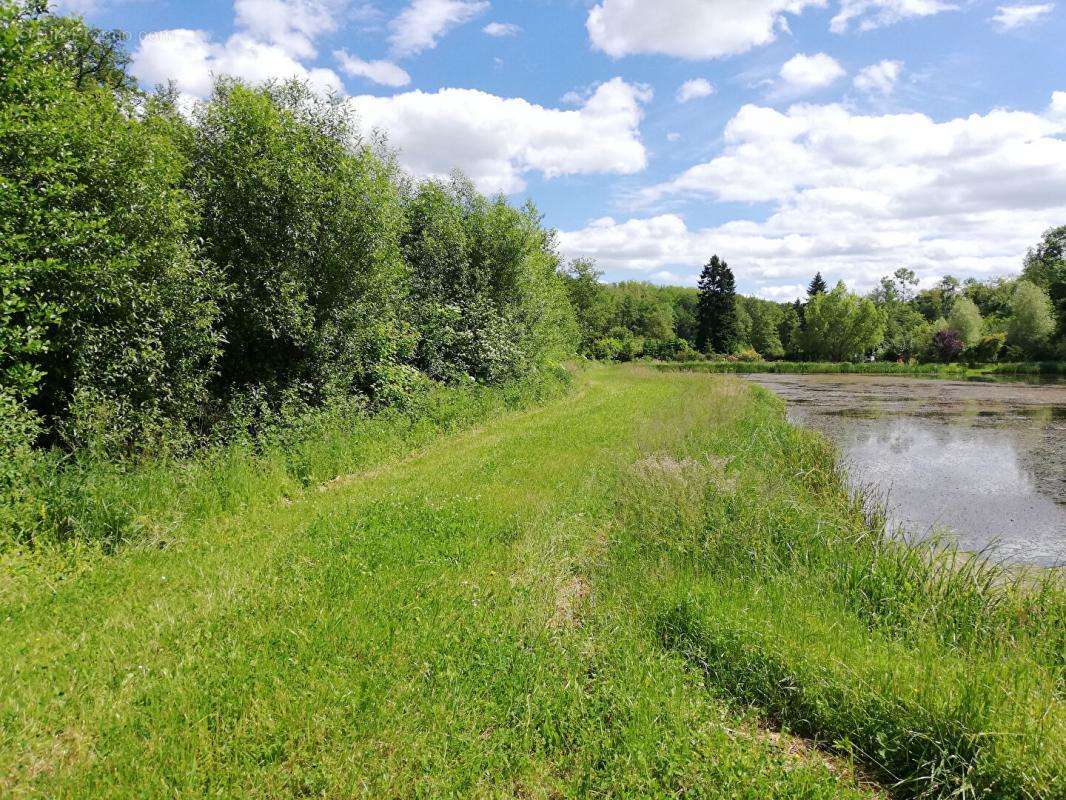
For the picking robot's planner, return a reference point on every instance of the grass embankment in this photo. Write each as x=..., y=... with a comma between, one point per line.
x=626, y=591
x=1045, y=368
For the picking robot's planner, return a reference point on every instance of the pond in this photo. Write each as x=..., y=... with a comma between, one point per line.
x=982, y=462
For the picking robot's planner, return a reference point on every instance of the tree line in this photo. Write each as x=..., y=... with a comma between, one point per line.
x=1004, y=319
x=170, y=278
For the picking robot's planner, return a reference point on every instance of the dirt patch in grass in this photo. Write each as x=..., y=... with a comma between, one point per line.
x=569, y=598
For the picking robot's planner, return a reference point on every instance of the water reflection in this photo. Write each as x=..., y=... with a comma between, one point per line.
x=983, y=461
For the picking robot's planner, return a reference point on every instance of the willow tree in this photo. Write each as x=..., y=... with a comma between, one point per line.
x=840, y=325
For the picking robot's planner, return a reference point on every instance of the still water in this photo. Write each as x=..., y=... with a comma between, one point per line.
x=983, y=462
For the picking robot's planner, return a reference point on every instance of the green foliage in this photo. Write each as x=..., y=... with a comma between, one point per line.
x=764, y=324
x=841, y=326
x=304, y=222
x=1045, y=266
x=716, y=311
x=100, y=267
x=1031, y=322
x=487, y=300
x=988, y=348
x=966, y=321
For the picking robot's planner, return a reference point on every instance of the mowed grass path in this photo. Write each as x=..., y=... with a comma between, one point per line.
x=448, y=623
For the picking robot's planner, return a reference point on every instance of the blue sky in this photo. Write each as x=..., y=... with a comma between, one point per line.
x=847, y=136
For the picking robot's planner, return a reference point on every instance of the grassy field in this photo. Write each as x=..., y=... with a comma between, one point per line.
x=645, y=585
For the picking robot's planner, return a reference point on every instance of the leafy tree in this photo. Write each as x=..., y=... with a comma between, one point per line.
x=717, y=308
x=590, y=299
x=947, y=344
x=907, y=332
x=763, y=333
x=788, y=327
x=966, y=321
x=1031, y=321
x=841, y=325
x=936, y=302
x=1045, y=266
x=101, y=271
x=897, y=288
x=487, y=300
x=304, y=220
x=817, y=285
x=992, y=297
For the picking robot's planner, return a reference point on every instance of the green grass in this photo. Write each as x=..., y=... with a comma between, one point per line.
x=1046, y=368
x=646, y=585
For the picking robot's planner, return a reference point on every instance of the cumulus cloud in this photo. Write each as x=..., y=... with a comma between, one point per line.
x=499, y=29
x=496, y=140
x=191, y=59
x=1011, y=17
x=271, y=39
x=384, y=72
x=693, y=29
x=292, y=25
x=858, y=196
x=421, y=25
x=1058, y=104
x=879, y=78
x=803, y=73
x=694, y=89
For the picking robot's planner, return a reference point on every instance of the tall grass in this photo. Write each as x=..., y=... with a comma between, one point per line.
x=104, y=503
x=942, y=671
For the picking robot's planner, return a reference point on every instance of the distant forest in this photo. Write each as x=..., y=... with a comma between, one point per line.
x=1006, y=319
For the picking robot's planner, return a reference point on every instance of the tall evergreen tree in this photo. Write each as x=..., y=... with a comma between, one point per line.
x=716, y=311
x=818, y=285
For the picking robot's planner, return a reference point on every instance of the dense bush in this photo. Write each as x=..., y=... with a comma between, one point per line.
x=486, y=298
x=304, y=222
x=108, y=306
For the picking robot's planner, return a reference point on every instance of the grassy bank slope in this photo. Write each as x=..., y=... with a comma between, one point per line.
x=626, y=591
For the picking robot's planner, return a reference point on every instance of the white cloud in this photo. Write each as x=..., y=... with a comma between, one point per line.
x=803, y=73
x=872, y=14
x=271, y=39
x=1058, y=104
x=694, y=89
x=784, y=293
x=695, y=29
x=292, y=25
x=1011, y=17
x=673, y=136
x=419, y=26
x=384, y=72
x=191, y=59
x=879, y=78
x=856, y=197
x=499, y=29
x=496, y=140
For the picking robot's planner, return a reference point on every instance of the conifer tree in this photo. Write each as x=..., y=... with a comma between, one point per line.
x=818, y=285
x=716, y=311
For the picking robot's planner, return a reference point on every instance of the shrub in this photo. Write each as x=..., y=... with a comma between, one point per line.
x=486, y=297
x=987, y=349
x=947, y=344
x=109, y=307
x=304, y=220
